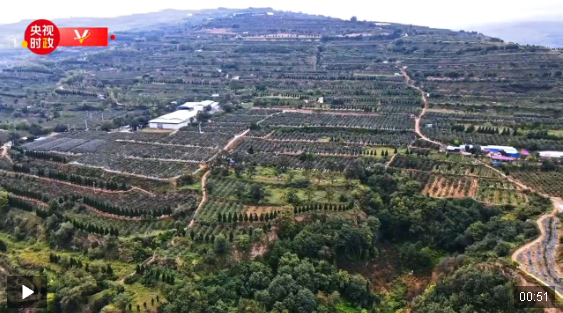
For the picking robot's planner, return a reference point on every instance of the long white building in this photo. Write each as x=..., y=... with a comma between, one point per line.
x=181, y=118
x=174, y=120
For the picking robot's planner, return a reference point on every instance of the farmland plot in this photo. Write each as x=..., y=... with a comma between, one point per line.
x=133, y=201
x=550, y=183
x=281, y=147
x=127, y=166
x=217, y=212
x=450, y=187
x=319, y=162
x=146, y=167
x=500, y=192
x=384, y=122
x=344, y=136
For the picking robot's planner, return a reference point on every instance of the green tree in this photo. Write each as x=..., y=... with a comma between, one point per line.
x=3, y=199
x=221, y=245
x=60, y=128
x=319, y=176
x=240, y=190
x=106, y=126
x=309, y=193
x=330, y=195
x=257, y=192
x=472, y=288
x=14, y=137
x=122, y=300
x=249, y=306
x=243, y=243
x=286, y=224
x=251, y=170
x=291, y=196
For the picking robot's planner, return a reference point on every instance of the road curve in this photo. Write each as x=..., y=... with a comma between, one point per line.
x=411, y=84
x=557, y=203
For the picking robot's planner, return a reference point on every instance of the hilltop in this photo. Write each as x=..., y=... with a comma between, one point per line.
x=542, y=33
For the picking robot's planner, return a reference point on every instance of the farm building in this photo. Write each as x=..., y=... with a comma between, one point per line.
x=181, y=118
x=509, y=151
x=458, y=149
x=174, y=120
x=551, y=154
x=503, y=158
x=198, y=106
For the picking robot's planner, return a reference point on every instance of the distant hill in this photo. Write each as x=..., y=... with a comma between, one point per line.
x=127, y=22
x=548, y=34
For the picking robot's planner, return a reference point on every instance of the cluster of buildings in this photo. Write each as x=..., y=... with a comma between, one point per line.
x=502, y=153
x=504, y=150
x=183, y=115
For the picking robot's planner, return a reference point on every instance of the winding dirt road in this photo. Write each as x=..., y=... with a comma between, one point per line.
x=204, y=177
x=203, y=198
x=411, y=84
x=390, y=161
x=556, y=203
x=518, y=255
x=538, y=258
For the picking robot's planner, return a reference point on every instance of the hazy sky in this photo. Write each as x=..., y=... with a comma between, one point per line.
x=436, y=13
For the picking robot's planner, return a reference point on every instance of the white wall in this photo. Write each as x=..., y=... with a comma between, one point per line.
x=167, y=126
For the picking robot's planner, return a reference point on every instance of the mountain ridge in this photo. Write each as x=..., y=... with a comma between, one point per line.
x=543, y=33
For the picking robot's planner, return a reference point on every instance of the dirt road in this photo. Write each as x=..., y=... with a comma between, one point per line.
x=537, y=258
x=411, y=84
x=203, y=198
x=235, y=139
x=550, y=270
x=541, y=227
x=204, y=177
x=390, y=161
x=4, y=154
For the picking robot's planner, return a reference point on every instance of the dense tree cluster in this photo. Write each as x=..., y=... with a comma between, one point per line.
x=246, y=217
x=91, y=228
x=299, y=285
x=75, y=179
x=43, y=155
x=473, y=288
x=111, y=209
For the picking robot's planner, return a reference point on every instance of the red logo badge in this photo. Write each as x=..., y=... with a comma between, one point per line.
x=41, y=37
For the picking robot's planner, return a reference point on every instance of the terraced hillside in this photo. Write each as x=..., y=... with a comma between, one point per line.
x=321, y=184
